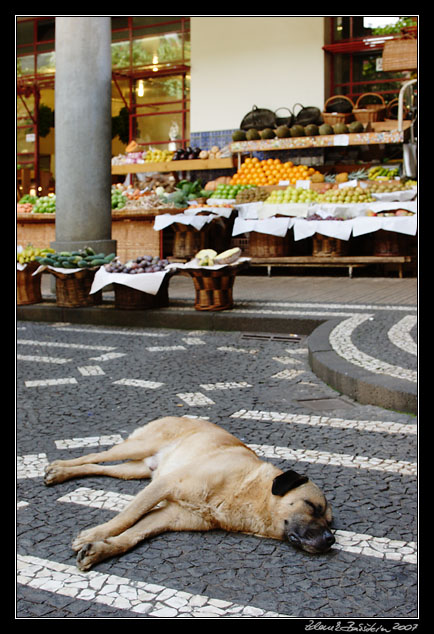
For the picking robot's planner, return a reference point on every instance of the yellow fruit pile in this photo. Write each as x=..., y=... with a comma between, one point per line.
x=270, y=172
x=158, y=156
x=30, y=253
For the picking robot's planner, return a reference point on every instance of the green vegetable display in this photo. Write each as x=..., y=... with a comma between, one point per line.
x=81, y=259
x=229, y=191
x=45, y=205
x=118, y=199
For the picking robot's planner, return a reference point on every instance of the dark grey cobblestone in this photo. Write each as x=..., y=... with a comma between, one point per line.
x=230, y=567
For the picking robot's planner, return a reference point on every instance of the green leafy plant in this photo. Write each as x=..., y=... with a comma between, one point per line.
x=121, y=125
x=46, y=120
x=389, y=29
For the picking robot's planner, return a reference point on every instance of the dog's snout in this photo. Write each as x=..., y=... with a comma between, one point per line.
x=328, y=538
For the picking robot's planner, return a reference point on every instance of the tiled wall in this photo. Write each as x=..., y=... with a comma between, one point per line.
x=221, y=138
x=206, y=140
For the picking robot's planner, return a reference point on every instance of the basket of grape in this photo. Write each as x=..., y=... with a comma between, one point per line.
x=140, y=284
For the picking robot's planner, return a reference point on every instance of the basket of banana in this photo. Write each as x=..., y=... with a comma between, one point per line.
x=29, y=285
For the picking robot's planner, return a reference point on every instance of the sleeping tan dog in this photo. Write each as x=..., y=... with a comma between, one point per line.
x=203, y=478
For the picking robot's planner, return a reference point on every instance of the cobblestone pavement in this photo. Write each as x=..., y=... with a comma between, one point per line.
x=84, y=387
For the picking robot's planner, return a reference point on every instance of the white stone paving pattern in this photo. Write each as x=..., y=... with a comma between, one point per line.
x=163, y=602
x=126, y=594
x=340, y=340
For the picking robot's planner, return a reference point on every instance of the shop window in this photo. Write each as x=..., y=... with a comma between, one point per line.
x=161, y=105
x=355, y=44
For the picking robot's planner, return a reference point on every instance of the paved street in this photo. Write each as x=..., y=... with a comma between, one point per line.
x=83, y=387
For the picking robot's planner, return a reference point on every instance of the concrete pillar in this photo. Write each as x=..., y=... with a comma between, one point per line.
x=83, y=134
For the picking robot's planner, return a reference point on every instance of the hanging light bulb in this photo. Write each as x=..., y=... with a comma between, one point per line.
x=140, y=88
x=155, y=61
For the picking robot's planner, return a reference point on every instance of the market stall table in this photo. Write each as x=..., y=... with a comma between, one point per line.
x=338, y=230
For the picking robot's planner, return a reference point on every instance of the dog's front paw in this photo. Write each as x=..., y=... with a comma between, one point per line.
x=84, y=538
x=91, y=554
x=54, y=474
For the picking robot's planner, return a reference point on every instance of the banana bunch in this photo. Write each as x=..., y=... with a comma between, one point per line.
x=383, y=173
x=30, y=253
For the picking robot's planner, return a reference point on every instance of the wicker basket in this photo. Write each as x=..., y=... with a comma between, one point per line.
x=325, y=246
x=187, y=241
x=400, y=54
x=387, y=243
x=337, y=117
x=213, y=288
x=371, y=112
x=72, y=289
x=263, y=245
x=28, y=285
x=127, y=298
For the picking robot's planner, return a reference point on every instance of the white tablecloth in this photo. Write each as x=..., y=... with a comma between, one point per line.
x=145, y=282
x=342, y=229
x=197, y=222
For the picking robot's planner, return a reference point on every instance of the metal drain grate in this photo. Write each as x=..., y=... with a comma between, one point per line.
x=263, y=336
x=321, y=404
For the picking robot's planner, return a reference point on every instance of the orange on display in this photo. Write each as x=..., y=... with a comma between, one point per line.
x=270, y=172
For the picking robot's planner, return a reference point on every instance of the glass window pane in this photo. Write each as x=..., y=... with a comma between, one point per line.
x=25, y=142
x=155, y=129
x=120, y=54
x=25, y=65
x=45, y=29
x=46, y=63
x=158, y=89
x=25, y=31
x=157, y=49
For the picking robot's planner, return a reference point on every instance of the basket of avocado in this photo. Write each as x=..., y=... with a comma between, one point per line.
x=74, y=272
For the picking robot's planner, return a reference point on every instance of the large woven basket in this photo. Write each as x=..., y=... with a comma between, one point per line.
x=127, y=298
x=214, y=288
x=72, y=289
x=28, y=285
x=337, y=117
x=263, y=245
x=371, y=112
x=326, y=246
x=188, y=241
x=387, y=243
x=400, y=54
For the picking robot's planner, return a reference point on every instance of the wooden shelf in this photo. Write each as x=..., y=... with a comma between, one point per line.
x=174, y=166
x=382, y=132
x=332, y=261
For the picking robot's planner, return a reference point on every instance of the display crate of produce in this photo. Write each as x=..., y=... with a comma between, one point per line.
x=326, y=246
x=214, y=288
x=263, y=245
x=127, y=298
x=28, y=285
x=73, y=288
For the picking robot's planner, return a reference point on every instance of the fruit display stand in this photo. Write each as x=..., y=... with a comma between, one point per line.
x=332, y=238
x=133, y=231
x=174, y=166
x=380, y=132
x=192, y=228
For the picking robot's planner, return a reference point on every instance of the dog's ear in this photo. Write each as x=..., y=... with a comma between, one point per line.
x=287, y=481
